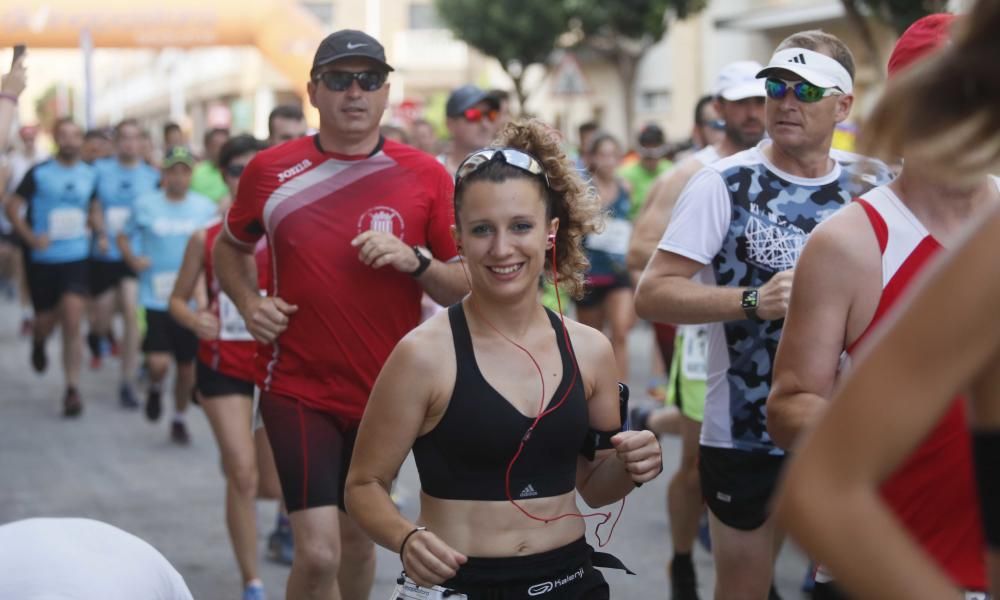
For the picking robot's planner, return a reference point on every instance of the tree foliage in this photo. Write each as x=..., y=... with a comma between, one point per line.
x=900, y=14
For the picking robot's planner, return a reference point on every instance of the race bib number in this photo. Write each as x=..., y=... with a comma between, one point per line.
x=694, y=354
x=163, y=284
x=411, y=591
x=614, y=239
x=115, y=219
x=67, y=224
x=232, y=326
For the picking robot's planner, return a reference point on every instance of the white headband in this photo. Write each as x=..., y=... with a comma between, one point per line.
x=814, y=67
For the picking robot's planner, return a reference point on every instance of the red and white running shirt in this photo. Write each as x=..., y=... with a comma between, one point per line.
x=933, y=493
x=311, y=204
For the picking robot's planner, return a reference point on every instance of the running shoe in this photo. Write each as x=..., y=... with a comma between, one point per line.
x=179, y=433
x=39, y=361
x=683, y=581
x=254, y=591
x=281, y=545
x=127, y=397
x=72, y=406
x=153, y=404
x=704, y=535
x=94, y=343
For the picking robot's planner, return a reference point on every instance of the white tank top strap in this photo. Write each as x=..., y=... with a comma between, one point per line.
x=905, y=231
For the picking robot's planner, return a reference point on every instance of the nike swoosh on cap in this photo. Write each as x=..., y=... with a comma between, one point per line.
x=352, y=46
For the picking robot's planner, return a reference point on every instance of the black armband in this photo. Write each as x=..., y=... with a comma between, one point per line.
x=601, y=440
x=986, y=455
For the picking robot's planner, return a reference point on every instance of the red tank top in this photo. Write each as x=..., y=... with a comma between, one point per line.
x=933, y=493
x=233, y=352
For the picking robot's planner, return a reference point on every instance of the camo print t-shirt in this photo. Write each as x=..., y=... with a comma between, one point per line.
x=747, y=220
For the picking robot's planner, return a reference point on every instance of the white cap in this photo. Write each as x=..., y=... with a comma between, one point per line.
x=738, y=80
x=814, y=67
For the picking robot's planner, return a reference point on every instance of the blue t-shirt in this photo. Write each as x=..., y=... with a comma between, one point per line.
x=606, y=250
x=118, y=187
x=58, y=197
x=162, y=228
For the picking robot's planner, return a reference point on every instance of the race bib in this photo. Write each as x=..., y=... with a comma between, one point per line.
x=67, y=224
x=694, y=354
x=614, y=239
x=411, y=591
x=163, y=284
x=232, y=326
x=115, y=219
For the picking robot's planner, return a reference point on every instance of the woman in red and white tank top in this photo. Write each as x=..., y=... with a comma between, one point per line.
x=226, y=374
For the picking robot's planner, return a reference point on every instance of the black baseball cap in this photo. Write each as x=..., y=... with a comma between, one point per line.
x=651, y=136
x=465, y=97
x=348, y=43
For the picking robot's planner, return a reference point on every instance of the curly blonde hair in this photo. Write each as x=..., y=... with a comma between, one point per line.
x=568, y=196
x=945, y=110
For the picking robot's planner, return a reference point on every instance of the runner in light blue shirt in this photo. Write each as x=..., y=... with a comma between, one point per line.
x=161, y=223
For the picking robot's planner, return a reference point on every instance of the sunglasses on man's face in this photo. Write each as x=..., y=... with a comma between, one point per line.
x=339, y=81
x=475, y=115
x=803, y=90
x=235, y=171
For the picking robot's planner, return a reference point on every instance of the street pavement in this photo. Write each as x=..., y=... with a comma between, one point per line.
x=114, y=466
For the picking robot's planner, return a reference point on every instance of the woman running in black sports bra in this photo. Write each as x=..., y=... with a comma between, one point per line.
x=460, y=393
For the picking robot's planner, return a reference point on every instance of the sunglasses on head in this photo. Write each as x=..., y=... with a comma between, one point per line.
x=235, y=171
x=475, y=115
x=513, y=157
x=803, y=90
x=339, y=81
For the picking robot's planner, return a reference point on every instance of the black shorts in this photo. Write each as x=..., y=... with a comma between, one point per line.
x=48, y=282
x=312, y=450
x=828, y=591
x=211, y=383
x=737, y=485
x=594, y=295
x=566, y=573
x=164, y=334
x=105, y=275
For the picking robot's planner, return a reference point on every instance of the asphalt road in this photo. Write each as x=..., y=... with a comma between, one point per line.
x=114, y=466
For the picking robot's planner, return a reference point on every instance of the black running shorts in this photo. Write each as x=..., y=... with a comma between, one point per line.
x=312, y=450
x=164, y=334
x=737, y=485
x=48, y=282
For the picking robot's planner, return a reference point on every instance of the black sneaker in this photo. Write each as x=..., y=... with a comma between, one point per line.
x=683, y=582
x=39, y=361
x=127, y=397
x=72, y=406
x=153, y=405
x=179, y=433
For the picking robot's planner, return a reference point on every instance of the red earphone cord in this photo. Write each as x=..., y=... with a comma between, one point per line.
x=606, y=516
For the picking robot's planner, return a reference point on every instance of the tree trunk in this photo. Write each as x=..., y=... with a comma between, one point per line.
x=864, y=29
x=628, y=66
x=522, y=95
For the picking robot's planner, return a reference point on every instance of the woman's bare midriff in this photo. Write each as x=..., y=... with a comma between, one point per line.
x=492, y=529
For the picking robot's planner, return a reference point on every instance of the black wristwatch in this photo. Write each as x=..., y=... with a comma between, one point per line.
x=424, y=260
x=749, y=303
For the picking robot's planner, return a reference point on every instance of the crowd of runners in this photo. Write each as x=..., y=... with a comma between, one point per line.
x=335, y=299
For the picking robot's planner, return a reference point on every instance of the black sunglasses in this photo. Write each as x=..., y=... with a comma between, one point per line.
x=339, y=81
x=235, y=171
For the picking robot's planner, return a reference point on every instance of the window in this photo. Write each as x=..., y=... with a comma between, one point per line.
x=423, y=16
x=322, y=10
x=654, y=100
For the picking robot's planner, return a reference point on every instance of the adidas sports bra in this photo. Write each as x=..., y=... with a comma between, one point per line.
x=465, y=456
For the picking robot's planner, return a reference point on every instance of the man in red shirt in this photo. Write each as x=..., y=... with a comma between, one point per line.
x=359, y=227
